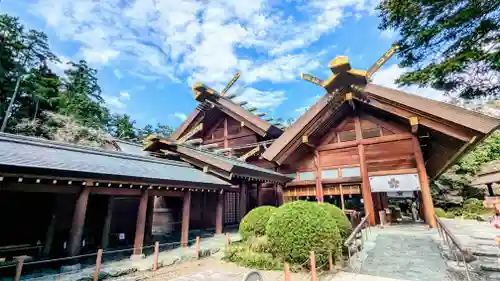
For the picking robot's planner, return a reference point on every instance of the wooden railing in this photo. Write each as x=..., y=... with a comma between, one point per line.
x=351, y=240
x=452, y=242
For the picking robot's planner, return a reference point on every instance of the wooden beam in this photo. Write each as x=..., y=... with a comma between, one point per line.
x=455, y=157
x=413, y=124
x=140, y=225
x=425, y=190
x=42, y=188
x=76, y=231
x=382, y=139
x=115, y=191
x=357, y=128
x=191, y=133
x=394, y=172
x=219, y=213
x=250, y=153
x=367, y=193
x=448, y=129
x=186, y=210
x=319, y=187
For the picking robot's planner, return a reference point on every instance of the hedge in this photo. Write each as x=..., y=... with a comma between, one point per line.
x=299, y=227
x=343, y=223
x=254, y=223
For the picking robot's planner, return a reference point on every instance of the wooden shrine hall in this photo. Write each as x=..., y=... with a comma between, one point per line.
x=69, y=199
x=359, y=146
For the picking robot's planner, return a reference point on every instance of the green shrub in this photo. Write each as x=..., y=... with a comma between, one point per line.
x=299, y=227
x=343, y=223
x=440, y=212
x=242, y=255
x=259, y=244
x=472, y=216
x=455, y=211
x=254, y=223
x=450, y=216
x=473, y=206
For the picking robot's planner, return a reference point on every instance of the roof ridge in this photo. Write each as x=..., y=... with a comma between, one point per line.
x=37, y=141
x=472, y=112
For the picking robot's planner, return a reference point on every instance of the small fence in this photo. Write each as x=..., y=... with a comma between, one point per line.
x=453, y=243
x=115, y=263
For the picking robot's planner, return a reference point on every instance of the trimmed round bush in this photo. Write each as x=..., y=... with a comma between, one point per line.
x=440, y=213
x=343, y=223
x=299, y=227
x=473, y=206
x=254, y=223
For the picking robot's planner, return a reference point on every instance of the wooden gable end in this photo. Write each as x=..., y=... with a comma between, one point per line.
x=228, y=132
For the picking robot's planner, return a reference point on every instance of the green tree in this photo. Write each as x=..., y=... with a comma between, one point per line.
x=163, y=130
x=450, y=45
x=81, y=96
x=145, y=131
x=26, y=50
x=122, y=127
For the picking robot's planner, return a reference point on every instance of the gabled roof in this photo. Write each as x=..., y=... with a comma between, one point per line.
x=218, y=164
x=227, y=106
x=28, y=155
x=465, y=126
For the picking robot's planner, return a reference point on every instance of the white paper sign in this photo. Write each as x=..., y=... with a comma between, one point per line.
x=394, y=183
x=121, y=236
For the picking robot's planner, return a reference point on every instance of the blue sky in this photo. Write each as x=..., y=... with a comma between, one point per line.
x=150, y=52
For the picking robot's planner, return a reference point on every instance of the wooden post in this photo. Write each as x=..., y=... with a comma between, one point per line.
x=367, y=193
x=197, y=247
x=49, y=237
x=331, y=261
x=243, y=199
x=313, y=267
x=319, y=188
x=287, y=272
x=424, y=184
x=279, y=194
x=228, y=241
x=98, y=265
x=219, y=213
x=78, y=223
x=107, y=223
x=186, y=209
x=19, y=268
x=157, y=251
x=141, y=223
x=342, y=203
x=149, y=220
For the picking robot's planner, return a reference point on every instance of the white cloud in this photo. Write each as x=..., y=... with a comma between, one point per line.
x=388, y=34
x=117, y=103
x=180, y=115
x=301, y=110
x=387, y=77
x=199, y=40
x=118, y=73
x=124, y=96
x=60, y=67
x=260, y=99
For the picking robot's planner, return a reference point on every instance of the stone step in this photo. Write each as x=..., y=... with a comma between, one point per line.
x=490, y=266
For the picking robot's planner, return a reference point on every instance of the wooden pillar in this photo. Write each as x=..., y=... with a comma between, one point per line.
x=342, y=202
x=424, y=184
x=244, y=200
x=319, y=187
x=75, y=234
x=219, y=213
x=49, y=236
x=259, y=194
x=107, y=223
x=141, y=223
x=279, y=194
x=490, y=189
x=149, y=220
x=186, y=209
x=367, y=193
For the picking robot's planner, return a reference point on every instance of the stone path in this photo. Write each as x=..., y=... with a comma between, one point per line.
x=406, y=252
x=479, y=238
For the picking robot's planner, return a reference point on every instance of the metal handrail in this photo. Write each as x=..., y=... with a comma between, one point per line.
x=448, y=238
x=356, y=230
x=351, y=238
